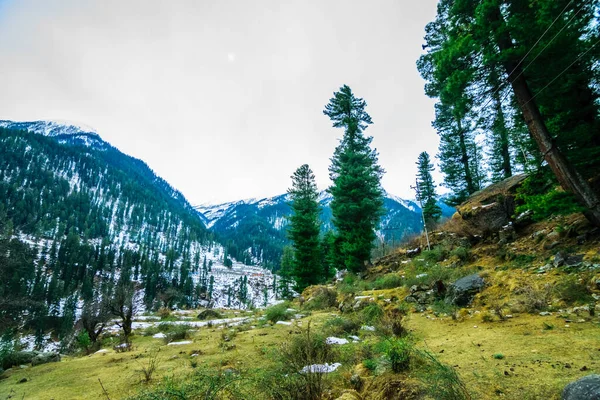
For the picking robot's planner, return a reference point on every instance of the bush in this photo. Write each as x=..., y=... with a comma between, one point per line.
x=389, y=281
x=177, y=332
x=571, y=290
x=498, y=356
x=533, y=298
x=305, y=350
x=322, y=298
x=83, y=341
x=278, y=312
x=163, y=312
x=372, y=313
x=370, y=364
x=441, y=381
x=462, y=253
x=435, y=255
x=340, y=326
x=537, y=195
x=397, y=353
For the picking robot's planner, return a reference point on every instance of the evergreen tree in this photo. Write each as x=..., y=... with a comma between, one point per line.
x=285, y=273
x=532, y=45
x=357, y=203
x=304, y=227
x=426, y=190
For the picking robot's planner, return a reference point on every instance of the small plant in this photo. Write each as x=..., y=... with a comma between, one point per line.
x=372, y=313
x=370, y=364
x=177, y=332
x=498, y=356
x=398, y=353
x=441, y=381
x=341, y=326
x=486, y=316
x=163, y=313
x=389, y=281
x=194, y=363
x=547, y=326
x=571, y=290
x=322, y=299
x=278, y=312
x=462, y=253
x=148, y=368
x=84, y=342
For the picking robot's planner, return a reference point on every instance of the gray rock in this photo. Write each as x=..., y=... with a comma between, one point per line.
x=586, y=388
x=551, y=245
x=44, y=358
x=559, y=259
x=463, y=290
x=574, y=261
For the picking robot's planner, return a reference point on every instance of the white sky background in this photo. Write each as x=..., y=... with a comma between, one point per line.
x=221, y=98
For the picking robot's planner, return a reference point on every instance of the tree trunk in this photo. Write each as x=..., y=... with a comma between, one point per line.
x=565, y=172
x=465, y=160
x=500, y=126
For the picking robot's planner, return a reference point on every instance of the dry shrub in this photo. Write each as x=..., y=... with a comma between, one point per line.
x=534, y=298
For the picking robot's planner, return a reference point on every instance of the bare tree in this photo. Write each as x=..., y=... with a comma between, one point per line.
x=123, y=305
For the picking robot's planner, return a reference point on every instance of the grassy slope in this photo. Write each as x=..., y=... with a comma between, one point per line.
x=537, y=362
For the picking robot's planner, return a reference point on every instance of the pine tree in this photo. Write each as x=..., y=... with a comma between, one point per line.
x=357, y=203
x=470, y=40
x=426, y=190
x=304, y=227
x=285, y=273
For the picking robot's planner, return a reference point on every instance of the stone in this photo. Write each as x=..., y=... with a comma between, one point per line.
x=551, y=245
x=463, y=290
x=586, y=388
x=44, y=358
x=559, y=259
x=22, y=380
x=574, y=261
x=413, y=252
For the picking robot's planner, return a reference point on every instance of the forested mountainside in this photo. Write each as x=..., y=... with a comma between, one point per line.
x=77, y=217
x=255, y=230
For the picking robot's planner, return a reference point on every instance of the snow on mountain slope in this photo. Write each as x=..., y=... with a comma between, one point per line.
x=64, y=131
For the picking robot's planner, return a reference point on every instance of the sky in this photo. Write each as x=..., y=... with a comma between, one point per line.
x=222, y=98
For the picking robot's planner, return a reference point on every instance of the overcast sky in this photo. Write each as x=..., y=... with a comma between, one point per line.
x=221, y=98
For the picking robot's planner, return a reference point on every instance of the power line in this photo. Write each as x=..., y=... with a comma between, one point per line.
x=530, y=50
x=545, y=47
x=563, y=71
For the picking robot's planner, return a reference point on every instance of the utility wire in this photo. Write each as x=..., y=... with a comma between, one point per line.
x=530, y=50
x=545, y=47
x=563, y=71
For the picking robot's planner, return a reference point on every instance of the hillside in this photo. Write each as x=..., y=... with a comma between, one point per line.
x=77, y=215
x=254, y=229
x=482, y=315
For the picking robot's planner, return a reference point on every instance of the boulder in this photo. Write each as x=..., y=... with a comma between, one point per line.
x=463, y=290
x=586, y=388
x=489, y=210
x=44, y=358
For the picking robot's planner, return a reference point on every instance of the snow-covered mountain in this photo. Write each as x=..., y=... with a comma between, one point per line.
x=254, y=229
x=81, y=214
x=63, y=131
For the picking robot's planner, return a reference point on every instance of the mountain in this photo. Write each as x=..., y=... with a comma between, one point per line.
x=253, y=230
x=77, y=215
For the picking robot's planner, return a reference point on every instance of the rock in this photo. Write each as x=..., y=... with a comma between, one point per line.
x=545, y=313
x=22, y=380
x=581, y=239
x=463, y=290
x=559, y=259
x=490, y=209
x=574, y=261
x=507, y=234
x=413, y=252
x=210, y=314
x=551, y=245
x=586, y=388
x=44, y=358
x=553, y=235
